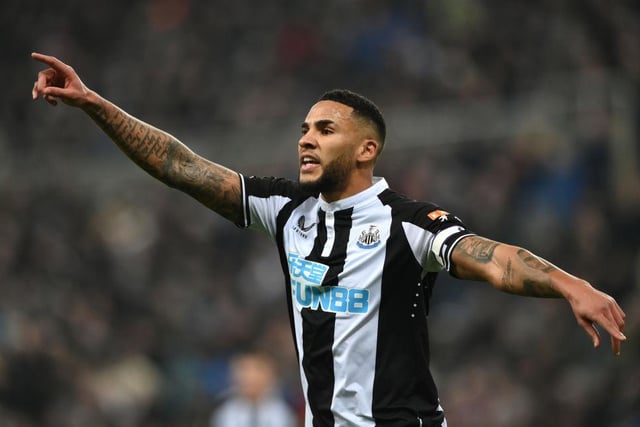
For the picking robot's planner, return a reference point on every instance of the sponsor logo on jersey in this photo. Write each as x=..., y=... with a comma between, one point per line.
x=333, y=299
x=369, y=238
x=308, y=292
x=310, y=273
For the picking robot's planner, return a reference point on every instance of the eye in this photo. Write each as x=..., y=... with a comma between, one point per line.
x=326, y=131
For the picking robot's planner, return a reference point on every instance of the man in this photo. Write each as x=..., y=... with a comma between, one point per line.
x=359, y=259
x=254, y=400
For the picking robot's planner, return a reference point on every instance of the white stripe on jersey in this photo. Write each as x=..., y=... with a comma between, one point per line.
x=355, y=336
x=331, y=234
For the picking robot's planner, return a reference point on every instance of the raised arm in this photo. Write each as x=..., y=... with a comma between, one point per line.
x=155, y=151
x=518, y=271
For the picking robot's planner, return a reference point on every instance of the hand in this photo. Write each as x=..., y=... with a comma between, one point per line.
x=592, y=307
x=60, y=81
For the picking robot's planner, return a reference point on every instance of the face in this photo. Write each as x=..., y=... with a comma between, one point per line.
x=253, y=375
x=327, y=148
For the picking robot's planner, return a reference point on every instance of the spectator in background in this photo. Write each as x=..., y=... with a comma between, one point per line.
x=255, y=400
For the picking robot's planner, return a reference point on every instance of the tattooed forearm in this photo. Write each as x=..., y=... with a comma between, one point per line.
x=508, y=268
x=213, y=185
x=539, y=288
x=144, y=144
x=167, y=159
x=507, y=278
x=526, y=274
x=536, y=280
x=478, y=248
x=534, y=262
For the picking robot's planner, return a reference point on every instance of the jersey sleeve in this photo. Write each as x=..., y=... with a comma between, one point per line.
x=446, y=231
x=263, y=198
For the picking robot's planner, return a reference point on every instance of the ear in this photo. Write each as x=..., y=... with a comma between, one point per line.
x=368, y=150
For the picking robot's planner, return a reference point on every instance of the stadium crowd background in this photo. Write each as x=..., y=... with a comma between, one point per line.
x=121, y=301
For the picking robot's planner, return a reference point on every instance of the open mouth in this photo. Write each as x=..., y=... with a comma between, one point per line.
x=308, y=163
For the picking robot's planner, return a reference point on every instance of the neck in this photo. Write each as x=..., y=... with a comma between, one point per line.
x=357, y=183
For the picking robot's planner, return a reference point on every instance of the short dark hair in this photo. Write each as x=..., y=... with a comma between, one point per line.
x=362, y=106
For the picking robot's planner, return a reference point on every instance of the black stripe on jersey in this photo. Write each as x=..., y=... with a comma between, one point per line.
x=403, y=389
x=318, y=326
x=335, y=260
x=321, y=238
x=269, y=186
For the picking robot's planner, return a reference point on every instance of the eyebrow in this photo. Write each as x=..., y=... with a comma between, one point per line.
x=318, y=123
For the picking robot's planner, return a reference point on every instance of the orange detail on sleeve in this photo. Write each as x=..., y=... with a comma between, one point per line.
x=437, y=214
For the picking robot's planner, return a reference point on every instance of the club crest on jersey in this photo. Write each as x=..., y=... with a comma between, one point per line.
x=369, y=238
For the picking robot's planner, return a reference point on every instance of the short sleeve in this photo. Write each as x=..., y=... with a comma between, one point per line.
x=446, y=231
x=263, y=199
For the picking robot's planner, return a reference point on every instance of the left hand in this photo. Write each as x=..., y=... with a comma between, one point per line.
x=593, y=307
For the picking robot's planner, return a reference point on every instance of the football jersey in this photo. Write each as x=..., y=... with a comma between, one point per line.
x=358, y=276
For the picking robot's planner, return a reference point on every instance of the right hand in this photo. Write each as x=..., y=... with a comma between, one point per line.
x=59, y=81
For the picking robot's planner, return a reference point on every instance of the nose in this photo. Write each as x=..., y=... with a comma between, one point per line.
x=307, y=142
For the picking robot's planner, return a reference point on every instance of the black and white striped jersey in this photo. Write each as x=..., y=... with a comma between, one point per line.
x=358, y=275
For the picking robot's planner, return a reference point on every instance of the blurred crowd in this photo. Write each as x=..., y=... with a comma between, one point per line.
x=124, y=303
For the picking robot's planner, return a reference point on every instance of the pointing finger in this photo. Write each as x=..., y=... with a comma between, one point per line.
x=52, y=61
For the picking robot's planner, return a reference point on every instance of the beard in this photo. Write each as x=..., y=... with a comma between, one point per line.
x=334, y=176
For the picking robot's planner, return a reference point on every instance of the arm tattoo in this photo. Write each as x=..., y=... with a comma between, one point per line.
x=144, y=144
x=534, y=262
x=522, y=272
x=478, y=248
x=539, y=288
x=211, y=184
x=537, y=284
x=167, y=159
x=507, y=278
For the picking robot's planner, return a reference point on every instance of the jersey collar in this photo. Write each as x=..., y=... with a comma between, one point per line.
x=361, y=198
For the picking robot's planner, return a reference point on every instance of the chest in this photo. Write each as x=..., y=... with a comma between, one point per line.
x=335, y=238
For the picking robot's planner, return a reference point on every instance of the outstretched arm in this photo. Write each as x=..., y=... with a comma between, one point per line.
x=518, y=271
x=155, y=151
